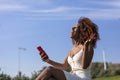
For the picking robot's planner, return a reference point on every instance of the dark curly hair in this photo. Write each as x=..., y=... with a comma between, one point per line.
x=85, y=28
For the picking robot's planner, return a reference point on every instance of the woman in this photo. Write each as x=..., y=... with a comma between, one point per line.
x=84, y=36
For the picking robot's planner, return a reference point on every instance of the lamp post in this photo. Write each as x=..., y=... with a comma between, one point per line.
x=105, y=67
x=19, y=61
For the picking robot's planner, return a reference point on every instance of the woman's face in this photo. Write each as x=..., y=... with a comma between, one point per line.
x=73, y=32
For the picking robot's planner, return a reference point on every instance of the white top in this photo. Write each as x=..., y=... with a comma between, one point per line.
x=76, y=67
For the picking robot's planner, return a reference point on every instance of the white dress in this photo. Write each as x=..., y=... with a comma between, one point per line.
x=78, y=73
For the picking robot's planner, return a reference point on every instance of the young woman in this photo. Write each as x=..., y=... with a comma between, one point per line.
x=84, y=36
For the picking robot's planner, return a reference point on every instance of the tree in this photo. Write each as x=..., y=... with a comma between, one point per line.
x=35, y=74
x=4, y=76
x=23, y=77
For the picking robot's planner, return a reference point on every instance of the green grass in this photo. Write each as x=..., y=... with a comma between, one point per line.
x=108, y=78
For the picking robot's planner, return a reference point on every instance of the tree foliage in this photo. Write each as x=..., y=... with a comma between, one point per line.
x=97, y=70
x=4, y=76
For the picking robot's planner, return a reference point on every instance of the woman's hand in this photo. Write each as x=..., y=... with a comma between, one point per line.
x=44, y=57
x=90, y=39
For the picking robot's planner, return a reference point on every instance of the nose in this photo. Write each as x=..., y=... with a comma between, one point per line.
x=73, y=28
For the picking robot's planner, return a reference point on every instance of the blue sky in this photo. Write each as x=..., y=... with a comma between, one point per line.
x=29, y=23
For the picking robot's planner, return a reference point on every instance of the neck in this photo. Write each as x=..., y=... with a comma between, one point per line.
x=75, y=43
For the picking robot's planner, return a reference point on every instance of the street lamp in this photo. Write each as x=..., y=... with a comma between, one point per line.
x=105, y=66
x=19, y=60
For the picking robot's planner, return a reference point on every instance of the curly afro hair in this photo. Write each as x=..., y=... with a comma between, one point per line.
x=85, y=28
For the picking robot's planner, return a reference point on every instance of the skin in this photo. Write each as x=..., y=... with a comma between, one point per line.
x=56, y=73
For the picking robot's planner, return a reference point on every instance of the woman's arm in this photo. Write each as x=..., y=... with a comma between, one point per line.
x=88, y=52
x=87, y=55
x=63, y=65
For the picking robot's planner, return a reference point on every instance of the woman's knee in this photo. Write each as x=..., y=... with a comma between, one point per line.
x=51, y=78
x=50, y=69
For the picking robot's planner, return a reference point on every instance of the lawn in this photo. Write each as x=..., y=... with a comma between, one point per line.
x=108, y=78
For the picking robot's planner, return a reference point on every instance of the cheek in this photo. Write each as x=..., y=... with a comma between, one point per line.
x=74, y=35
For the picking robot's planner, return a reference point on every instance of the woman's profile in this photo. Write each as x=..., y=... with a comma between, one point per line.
x=84, y=36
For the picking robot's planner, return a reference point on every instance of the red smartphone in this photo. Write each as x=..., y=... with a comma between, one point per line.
x=42, y=51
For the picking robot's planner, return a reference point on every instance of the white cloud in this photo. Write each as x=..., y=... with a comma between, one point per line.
x=59, y=9
x=74, y=12
x=12, y=7
x=16, y=5
x=66, y=12
x=112, y=3
x=54, y=10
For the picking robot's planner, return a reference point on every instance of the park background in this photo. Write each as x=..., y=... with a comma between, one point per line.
x=25, y=24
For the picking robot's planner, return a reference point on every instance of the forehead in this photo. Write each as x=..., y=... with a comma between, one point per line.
x=74, y=27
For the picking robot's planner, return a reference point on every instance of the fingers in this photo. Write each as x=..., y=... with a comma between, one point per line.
x=92, y=37
x=43, y=56
x=88, y=41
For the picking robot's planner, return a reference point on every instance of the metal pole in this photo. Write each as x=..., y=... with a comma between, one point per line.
x=19, y=61
x=105, y=68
